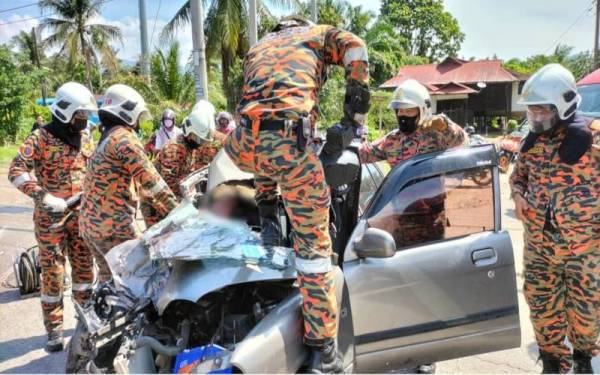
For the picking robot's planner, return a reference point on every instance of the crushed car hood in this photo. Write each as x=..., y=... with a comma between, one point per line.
x=191, y=253
x=190, y=280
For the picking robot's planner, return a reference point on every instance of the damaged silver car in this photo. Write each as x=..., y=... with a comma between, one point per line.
x=428, y=275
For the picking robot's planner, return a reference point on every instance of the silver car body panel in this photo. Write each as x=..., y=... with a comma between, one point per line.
x=434, y=302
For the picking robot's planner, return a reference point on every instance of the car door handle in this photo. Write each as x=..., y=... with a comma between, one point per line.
x=484, y=257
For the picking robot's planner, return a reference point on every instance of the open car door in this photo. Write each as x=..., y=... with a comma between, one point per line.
x=436, y=279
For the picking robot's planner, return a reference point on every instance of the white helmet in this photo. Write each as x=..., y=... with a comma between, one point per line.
x=70, y=98
x=200, y=124
x=125, y=103
x=411, y=94
x=552, y=84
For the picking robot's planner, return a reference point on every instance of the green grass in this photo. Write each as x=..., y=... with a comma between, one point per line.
x=7, y=153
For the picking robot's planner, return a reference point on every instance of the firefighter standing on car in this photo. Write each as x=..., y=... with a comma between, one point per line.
x=57, y=153
x=197, y=145
x=556, y=189
x=117, y=172
x=419, y=132
x=283, y=73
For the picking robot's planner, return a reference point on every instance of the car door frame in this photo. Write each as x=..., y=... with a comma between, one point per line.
x=376, y=354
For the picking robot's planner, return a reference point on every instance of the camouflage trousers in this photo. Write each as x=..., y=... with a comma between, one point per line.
x=563, y=294
x=275, y=161
x=99, y=247
x=59, y=240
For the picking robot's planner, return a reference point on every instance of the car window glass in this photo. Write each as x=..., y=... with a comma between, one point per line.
x=590, y=100
x=371, y=179
x=439, y=208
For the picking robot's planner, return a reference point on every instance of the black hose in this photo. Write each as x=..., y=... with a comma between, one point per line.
x=160, y=348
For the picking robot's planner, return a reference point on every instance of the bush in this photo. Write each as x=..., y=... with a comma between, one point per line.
x=512, y=125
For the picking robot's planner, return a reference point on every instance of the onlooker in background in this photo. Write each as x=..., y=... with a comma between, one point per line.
x=164, y=134
x=225, y=123
x=39, y=122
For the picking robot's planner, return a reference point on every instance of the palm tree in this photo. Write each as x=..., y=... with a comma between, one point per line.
x=167, y=77
x=29, y=43
x=76, y=34
x=226, y=29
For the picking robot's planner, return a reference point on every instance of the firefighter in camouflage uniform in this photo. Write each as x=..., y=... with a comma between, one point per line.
x=283, y=73
x=187, y=153
x=57, y=154
x=419, y=132
x=556, y=189
x=118, y=171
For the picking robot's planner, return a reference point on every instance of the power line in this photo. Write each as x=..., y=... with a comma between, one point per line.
x=588, y=8
x=26, y=19
x=42, y=16
x=19, y=7
x=154, y=26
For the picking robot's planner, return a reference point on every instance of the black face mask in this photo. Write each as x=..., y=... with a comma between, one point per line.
x=407, y=124
x=191, y=144
x=78, y=124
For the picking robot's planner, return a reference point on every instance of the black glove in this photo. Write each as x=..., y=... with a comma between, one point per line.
x=339, y=136
x=356, y=101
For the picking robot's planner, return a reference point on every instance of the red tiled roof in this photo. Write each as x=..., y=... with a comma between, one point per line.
x=590, y=79
x=455, y=71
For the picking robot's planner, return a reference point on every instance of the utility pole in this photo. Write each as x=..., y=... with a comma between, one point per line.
x=596, y=52
x=144, y=34
x=313, y=11
x=253, y=32
x=199, y=49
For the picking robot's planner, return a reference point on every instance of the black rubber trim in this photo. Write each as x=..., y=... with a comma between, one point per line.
x=434, y=326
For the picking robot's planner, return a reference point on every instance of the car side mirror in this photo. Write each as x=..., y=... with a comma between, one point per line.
x=375, y=243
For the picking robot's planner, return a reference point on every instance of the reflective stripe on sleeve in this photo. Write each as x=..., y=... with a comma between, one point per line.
x=356, y=54
x=50, y=299
x=21, y=179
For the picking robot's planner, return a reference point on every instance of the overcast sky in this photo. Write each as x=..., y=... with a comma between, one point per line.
x=508, y=28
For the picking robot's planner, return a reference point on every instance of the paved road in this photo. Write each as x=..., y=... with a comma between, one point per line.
x=22, y=335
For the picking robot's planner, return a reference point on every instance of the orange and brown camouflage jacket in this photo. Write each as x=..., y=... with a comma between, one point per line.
x=176, y=160
x=59, y=168
x=396, y=146
x=117, y=169
x=205, y=154
x=284, y=71
x=570, y=191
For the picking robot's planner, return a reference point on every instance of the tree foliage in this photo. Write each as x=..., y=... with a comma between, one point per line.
x=426, y=28
x=15, y=89
x=171, y=82
x=580, y=64
x=73, y=31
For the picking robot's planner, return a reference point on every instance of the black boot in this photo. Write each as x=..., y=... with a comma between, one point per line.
x=550, y=363
x=55, y=342
x=582, y=363
x=269, y=221
x=325, y=360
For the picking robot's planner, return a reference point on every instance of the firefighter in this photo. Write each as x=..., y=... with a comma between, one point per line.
x=117, y=171
x=283, y=73
x=556, y=189
x=419, y=132
x=180, y=157
x=57, y=153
